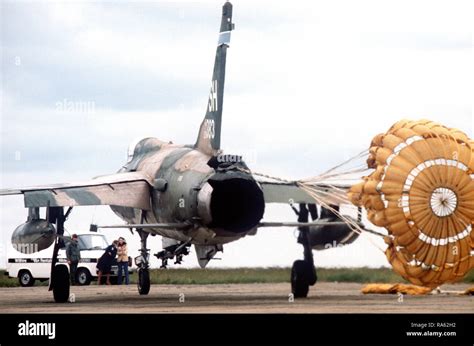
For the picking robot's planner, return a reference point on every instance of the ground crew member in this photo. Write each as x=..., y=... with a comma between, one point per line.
x=73, y=255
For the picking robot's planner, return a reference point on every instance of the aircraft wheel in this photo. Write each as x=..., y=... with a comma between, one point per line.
x=301, y=273
x=61, y=284
x=143, y=281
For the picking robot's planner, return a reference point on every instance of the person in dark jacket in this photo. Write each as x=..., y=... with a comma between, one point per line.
x=105, y=262
x=73, y=255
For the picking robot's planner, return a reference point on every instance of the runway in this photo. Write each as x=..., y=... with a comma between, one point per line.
x=230, y=298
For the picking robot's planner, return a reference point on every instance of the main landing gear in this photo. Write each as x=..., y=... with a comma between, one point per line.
x=303, y=272
x=60, y=280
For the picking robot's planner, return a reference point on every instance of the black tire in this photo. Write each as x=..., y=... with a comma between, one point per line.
x=61, y=284
x=311, y=274
x=25, y=278
x=300, y=277
x=143, y=281
x=83, y=277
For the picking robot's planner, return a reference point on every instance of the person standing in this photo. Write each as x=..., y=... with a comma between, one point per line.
x=73, y=255
x=122, y=261
x=105, y=262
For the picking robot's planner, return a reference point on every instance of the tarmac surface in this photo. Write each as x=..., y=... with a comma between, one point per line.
x=231, y=298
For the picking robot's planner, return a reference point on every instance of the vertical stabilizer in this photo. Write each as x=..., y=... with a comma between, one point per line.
x=209, y=137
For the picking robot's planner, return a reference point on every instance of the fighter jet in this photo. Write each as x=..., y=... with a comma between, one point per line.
x=189, y=194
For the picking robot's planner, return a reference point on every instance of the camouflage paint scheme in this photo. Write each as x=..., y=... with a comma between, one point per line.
x=185, y=171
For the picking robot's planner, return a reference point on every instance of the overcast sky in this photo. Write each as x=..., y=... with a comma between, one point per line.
x=308, y=85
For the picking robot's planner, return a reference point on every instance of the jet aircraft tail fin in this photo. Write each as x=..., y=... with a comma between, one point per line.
x=209, y=137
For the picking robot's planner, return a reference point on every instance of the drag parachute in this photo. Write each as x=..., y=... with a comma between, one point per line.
x=422, y=192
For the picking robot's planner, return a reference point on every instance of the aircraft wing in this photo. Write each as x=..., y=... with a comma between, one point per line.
x=130, y=189
x=290, y=192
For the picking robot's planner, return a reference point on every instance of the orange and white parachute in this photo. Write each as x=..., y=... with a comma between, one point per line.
x=422, y=192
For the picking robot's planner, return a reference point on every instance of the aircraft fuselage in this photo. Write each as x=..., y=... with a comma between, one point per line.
x=220, y=200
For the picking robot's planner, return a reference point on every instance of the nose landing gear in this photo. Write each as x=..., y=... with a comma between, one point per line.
x=143, y=265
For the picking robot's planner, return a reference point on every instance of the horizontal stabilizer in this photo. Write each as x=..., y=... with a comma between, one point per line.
x=300, y=224
x=291, y=193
